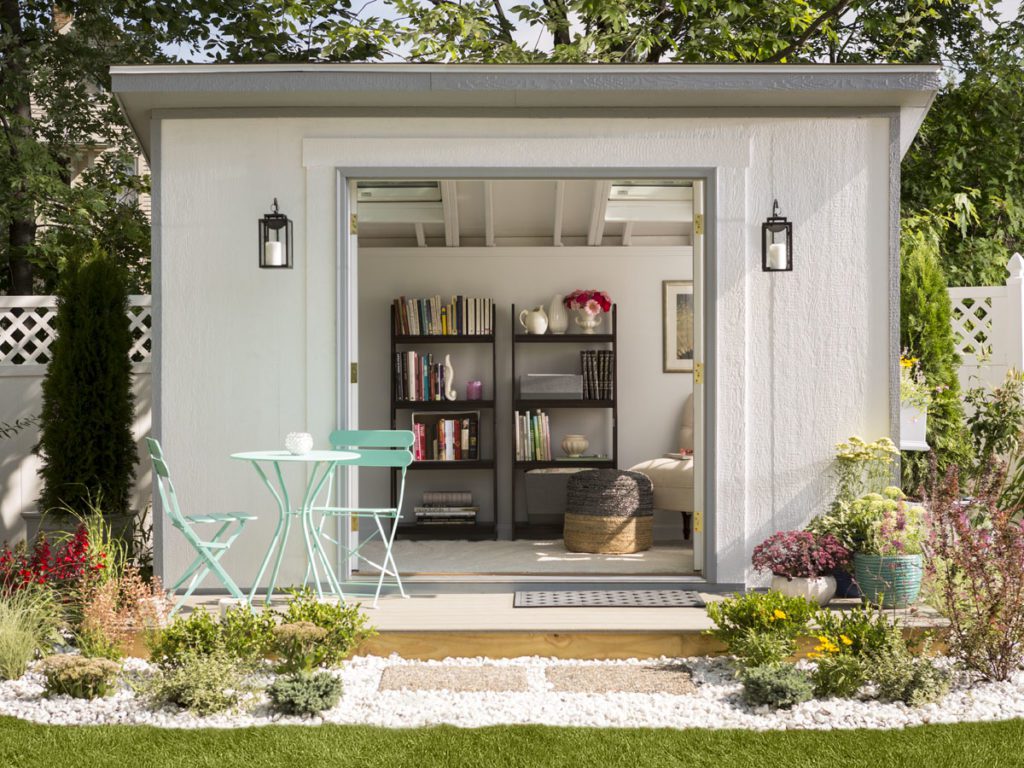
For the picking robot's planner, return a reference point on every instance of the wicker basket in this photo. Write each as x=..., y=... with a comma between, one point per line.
x=608, y=535
x=609, y=512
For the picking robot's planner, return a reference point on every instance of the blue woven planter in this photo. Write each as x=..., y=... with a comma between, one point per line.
x=892, y=581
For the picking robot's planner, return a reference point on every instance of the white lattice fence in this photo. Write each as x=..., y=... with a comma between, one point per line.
x=27, y=330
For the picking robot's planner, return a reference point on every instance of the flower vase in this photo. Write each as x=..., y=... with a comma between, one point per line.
x=575, y=446
x=558, y=318
x=587, y=322
x=913, y=428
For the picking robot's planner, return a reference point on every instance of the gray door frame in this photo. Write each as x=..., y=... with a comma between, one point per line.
x=709, y=175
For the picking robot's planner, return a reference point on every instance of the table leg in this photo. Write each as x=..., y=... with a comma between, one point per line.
x=278, y=540
x=314, y=547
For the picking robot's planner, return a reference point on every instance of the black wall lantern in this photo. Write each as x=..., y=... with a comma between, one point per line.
x=777, y=242
x=275, y=240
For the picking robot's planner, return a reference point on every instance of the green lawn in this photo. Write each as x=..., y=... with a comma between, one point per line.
x=964, y=746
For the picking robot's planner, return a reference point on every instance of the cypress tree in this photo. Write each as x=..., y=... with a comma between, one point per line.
x=926, y=334
x=86, y=444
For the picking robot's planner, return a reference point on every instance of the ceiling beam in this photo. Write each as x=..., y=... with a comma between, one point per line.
x=450, y=202
x=489, y=214
x=421, y=238
x=556, y=238
x=627, y=233
x=597, y=211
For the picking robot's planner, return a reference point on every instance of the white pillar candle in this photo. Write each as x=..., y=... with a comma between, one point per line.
x=777, y=256
x=273, y=253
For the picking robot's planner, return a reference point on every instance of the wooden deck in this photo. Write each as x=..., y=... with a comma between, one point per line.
x=486, y=624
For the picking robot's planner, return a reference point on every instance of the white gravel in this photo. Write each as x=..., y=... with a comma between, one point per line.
x=715, y=704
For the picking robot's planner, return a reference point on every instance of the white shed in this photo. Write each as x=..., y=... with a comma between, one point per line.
x=516, y=184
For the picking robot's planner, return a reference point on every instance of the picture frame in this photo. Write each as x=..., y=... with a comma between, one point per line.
x=677, y=326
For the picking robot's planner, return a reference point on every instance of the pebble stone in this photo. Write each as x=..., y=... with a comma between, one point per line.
x=714, y=702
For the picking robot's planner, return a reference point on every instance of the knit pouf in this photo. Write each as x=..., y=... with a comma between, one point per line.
x=609, y=512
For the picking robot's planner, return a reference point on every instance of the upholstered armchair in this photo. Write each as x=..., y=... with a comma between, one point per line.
x=672, y=474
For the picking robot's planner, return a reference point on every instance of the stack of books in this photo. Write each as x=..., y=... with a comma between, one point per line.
x=446, y=508
x=598, y=367
x=533, y=436
x=448, y=438
x=462, y=316
x=418, y=377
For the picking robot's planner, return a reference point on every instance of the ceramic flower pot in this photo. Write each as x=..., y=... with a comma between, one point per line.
x=587, y=322
x=913, y=429
x=575, y=446
x=891, y=581
x=819, y=589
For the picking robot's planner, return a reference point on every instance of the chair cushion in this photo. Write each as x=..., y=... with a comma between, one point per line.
x=672, y=480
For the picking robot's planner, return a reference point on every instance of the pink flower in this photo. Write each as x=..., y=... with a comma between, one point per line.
x=592, y=307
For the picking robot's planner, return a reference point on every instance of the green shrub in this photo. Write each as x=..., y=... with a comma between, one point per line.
x=761, y=627
x=242, y=634
x=86, y=443
x=29, y=623
x=203, y=683
x=299, y=646
x=838, y=674
x=79, y=676
x=779, y=686
x=304, y=694
x=926, y=334
x=346, y=626
x=862, y=630
x=901, y=676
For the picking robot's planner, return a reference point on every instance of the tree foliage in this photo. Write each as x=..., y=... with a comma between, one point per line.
x=88, y=452
x=968, y=162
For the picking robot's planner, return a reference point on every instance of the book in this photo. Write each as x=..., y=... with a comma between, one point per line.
x=447, y=498
x=433, y=316
x=441, y=438
x=533, y=436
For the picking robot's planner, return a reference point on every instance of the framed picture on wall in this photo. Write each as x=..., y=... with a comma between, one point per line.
x=677, y=325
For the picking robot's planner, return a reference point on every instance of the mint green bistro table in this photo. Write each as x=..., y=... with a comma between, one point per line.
x=322, y=465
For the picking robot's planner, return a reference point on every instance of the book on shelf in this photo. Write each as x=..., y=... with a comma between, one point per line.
x=432, y=316
x=447, y=498
x=419, y=377
x=532, y=436
x=453, y=437
x=598, y=368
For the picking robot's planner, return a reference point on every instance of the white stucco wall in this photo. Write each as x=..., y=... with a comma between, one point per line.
x=248, y=355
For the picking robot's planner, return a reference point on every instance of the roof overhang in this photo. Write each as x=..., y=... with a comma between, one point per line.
x=738, y=88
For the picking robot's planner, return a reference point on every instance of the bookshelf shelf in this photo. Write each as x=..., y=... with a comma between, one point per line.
x=400, y=342
x=443, y=405
x=610, y=406
x=531, y=404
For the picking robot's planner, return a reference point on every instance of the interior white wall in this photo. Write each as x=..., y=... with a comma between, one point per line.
x=650, y=401
x=803, y=357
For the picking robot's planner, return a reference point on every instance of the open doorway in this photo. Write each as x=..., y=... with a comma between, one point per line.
x=452, y=280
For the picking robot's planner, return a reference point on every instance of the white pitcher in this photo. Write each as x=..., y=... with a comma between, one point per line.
x=534, y=321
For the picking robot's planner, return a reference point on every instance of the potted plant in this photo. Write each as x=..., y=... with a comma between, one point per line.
x=862, y=470
x=588, y=305
x=888, y=564
x=802, y=563
x=915, y=397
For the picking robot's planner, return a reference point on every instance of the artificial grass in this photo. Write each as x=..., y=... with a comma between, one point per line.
x=24, y=745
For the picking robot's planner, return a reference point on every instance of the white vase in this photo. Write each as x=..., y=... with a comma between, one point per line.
x=575, y=446
x=298, y=443
x=558, y=318
x=819, y=589
x=587, y=322
x=913, y=429
x=449, y=378
x=534, y=321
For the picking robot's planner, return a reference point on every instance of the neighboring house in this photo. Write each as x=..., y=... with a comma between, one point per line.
x=523, y=182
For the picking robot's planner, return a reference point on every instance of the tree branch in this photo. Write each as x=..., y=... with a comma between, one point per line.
x=834, y=12
x=503, y=23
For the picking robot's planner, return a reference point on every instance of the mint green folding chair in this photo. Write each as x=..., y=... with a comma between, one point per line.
x=209, y=551
x=381, y=449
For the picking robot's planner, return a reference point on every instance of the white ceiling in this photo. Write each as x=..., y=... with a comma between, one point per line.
x=531, y=213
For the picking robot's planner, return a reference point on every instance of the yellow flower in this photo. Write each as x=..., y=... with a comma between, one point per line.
x=779, y=614
x=845, y=640
x=908, y=362
x=823, y=639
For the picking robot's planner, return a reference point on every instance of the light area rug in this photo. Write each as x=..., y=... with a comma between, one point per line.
x=526, y=558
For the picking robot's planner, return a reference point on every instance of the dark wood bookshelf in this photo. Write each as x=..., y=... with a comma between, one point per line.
x=584, y=340
x=435, y=532
x=472, y=531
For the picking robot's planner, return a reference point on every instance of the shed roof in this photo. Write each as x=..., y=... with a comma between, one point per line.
x=527, y=89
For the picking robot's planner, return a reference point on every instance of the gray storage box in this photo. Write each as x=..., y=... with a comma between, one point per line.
x=551, y=386
x=546, y=494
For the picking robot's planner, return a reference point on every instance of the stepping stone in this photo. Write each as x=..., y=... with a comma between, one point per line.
x=459, y=679
x=672, y=679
